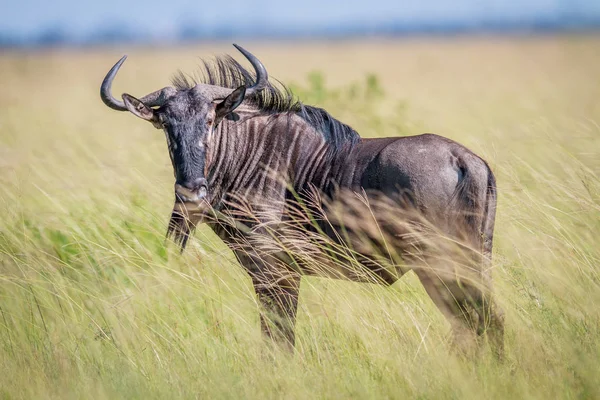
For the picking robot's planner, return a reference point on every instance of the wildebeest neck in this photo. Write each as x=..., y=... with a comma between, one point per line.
x=261, y=156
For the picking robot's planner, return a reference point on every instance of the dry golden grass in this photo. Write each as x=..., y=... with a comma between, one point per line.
x=93, y=305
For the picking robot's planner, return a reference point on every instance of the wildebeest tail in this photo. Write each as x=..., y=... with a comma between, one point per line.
x=475, y=201
x=489, y=216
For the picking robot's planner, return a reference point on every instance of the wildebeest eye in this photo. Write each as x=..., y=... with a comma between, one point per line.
x=209, y=121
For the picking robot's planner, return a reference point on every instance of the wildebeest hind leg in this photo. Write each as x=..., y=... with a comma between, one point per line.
x=468, y=308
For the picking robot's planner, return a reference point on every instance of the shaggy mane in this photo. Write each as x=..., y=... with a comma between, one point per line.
x=226, y=72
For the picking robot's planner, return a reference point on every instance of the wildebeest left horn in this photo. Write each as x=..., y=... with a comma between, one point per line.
x=154, y=99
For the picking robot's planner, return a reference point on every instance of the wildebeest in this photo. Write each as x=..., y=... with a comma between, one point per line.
x=273, y=176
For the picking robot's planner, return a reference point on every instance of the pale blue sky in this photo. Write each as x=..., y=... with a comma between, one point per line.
x=163, y=18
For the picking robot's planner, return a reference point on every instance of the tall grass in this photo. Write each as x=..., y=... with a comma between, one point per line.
x=93, y=304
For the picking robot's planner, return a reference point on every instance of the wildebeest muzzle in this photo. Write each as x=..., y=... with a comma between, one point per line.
x=194, y=192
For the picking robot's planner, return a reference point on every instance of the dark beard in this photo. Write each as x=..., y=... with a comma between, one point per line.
x=180, y=227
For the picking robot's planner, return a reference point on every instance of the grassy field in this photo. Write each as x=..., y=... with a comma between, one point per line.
x=94, y=305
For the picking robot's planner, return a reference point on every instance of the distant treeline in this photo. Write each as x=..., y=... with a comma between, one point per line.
x=58, y=36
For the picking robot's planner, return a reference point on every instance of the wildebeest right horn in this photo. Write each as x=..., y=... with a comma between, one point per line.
x=262, y=77
x=154, y=99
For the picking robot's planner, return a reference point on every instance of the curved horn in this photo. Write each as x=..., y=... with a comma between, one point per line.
x=105, y=92
x=262, y=77
x=154, y=99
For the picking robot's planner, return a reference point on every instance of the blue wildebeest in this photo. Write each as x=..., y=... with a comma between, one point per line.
x=273, y=176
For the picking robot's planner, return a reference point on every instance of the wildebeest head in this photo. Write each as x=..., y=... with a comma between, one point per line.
x=188, y=118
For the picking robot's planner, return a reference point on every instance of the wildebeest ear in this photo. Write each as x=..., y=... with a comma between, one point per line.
x=138, y=108
x=231, y=102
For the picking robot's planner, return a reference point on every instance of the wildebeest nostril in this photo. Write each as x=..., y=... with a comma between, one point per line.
x=202, y=192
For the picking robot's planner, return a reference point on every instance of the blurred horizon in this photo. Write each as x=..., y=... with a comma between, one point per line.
x=31, y=23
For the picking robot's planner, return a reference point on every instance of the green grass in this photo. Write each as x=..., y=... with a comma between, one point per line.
x=93, y=304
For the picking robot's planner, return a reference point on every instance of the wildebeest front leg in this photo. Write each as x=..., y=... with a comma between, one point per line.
x=277, y=289
x=279, y=303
